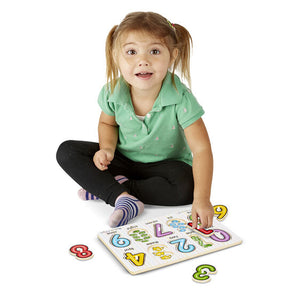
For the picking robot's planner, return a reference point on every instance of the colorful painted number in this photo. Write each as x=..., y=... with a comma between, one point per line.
x=220, y=236
x=179, y=225
x=137, y=259
x=140, y=235
x=158, y=231
x=159, y=251
x=220, y=212
x=182, y=247
x=119, y=242
x=203, y=231
x=200, y=241
x=202, y=273
x=81, y=252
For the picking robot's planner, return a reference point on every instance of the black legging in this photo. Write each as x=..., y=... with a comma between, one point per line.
x=166, y=182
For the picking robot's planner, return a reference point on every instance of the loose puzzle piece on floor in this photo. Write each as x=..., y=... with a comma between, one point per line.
x=81, y=252
x=203, y=273
x=163, y=241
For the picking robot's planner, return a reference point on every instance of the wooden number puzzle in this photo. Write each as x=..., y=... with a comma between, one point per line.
x=166, y=240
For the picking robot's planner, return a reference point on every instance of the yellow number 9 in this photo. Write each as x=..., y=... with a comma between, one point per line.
x=220, y=212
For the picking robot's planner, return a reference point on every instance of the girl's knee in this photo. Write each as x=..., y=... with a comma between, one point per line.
x=185, y=186
x=63, y=152
x=185, y=193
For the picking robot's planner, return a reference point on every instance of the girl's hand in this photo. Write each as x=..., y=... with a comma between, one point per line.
x=103, y=158
x=204, y=211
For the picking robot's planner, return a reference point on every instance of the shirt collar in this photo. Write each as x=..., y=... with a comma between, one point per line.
x=168, y=94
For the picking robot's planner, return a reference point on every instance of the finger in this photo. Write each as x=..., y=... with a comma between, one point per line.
x=101, y=156
x=106, y=162
x=204, y=222
x=103, y=167
x=109, y=157
x=194, y=219
x=103, y=161
x=210, y=221
x=99, y=164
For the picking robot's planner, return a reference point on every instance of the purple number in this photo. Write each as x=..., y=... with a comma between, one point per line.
x=158, y=232
x=224, y=234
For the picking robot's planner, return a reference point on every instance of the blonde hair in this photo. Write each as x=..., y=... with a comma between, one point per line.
x=172, y=35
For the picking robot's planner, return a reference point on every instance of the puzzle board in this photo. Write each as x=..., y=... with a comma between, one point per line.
x=163, y=241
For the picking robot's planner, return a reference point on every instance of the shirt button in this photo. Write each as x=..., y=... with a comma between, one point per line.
x=148, y=116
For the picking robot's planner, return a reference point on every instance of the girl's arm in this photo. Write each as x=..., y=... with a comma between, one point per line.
x=108, y=138
x=199, y=144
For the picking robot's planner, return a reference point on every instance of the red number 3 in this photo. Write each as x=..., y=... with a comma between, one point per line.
x=81, y=252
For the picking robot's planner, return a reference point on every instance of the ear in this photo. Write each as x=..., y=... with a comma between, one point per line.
x=174, y=55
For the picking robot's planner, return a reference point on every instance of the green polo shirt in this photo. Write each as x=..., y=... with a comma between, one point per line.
x=160, y=136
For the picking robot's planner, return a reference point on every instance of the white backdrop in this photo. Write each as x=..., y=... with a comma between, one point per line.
x=245, y=73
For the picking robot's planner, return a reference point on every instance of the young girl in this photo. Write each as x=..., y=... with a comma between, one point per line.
x=154, y=147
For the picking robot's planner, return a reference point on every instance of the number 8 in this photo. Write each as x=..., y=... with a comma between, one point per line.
x=81, y=252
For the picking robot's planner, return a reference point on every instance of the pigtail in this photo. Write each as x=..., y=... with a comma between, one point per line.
x=111, y=67
x=184, y=44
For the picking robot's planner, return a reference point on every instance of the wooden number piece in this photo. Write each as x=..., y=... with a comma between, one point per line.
x=81, y=252
x=202, y=273
x=220, y=212
x=137, y=259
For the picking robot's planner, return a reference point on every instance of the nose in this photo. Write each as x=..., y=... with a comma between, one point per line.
x=143, y=64
x=143, y=61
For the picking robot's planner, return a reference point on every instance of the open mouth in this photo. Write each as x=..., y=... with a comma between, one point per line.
x=144, y=75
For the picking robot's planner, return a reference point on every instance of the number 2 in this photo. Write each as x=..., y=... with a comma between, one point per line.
x=181, y=246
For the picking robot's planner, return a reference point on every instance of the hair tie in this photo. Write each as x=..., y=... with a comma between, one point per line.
x=171, y=25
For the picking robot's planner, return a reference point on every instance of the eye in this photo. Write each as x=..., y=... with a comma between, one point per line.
x=131, y=52
x=155, y=52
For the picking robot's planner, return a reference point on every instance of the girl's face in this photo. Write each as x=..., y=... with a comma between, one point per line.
x=143, y=61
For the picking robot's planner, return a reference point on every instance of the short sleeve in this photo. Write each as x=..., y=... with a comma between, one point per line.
x=106, y=106
x=189, y=110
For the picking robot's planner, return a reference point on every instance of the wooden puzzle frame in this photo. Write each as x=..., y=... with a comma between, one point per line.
x=159, y=242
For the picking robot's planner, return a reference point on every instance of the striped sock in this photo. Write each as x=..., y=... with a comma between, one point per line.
x=127, y=207
x=85, y=195
x=121, y=179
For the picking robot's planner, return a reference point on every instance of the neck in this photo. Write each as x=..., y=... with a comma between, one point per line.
x=145, y=95
x=143, y=100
